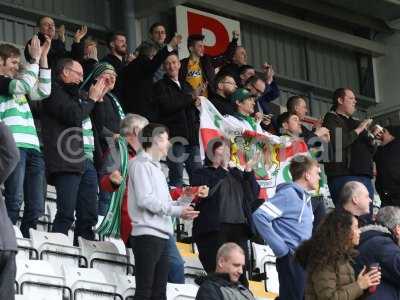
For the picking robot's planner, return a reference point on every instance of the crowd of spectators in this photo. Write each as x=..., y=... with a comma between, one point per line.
x=67, y=118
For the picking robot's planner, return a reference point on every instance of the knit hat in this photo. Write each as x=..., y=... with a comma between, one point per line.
x=97, y=70
x=240, y=95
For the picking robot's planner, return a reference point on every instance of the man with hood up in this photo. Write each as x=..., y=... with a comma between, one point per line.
x=285, y=221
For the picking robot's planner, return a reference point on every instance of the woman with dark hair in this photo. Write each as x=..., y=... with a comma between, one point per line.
x=326, y=257
x=225, y=215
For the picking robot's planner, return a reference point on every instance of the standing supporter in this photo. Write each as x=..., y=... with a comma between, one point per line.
x=351, y=148
x=388, y=167
x=225, y=215
x=199, y=69
x=298, y=106
x=289, y=125
x=225, y=86
x=244, y=103
x=111, y=177
x=158, y=35
x=118, y=57
x=151, y=207
x=327, y=257
x=57, y=50
x=90, y=58
x=266, y=89
x=108, y=112
x=138, y=85
x=354, y=198
x=71, y=149
x=9, y=157
x=380, y=244
x=177, y=110
x=25, y=183
x=224, y=284
x=285, y=221
x=239, y=59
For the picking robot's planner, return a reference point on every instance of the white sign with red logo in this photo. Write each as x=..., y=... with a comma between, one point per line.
x=217, y=30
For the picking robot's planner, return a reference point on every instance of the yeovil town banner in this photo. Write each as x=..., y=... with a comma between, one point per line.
x=217, y=30
x=274, y=153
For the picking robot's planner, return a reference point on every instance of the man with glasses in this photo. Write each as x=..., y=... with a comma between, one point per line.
x=71, y=148
x=225, y=86
x=57, y=51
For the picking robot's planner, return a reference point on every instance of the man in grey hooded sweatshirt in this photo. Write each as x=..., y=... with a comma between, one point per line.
x=150, y=207
x=285, y=221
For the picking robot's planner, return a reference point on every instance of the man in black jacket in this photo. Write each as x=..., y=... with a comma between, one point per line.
x=225, y=86
x=224, y=283
x=57, y=51
x=239, y=59
x=9, y=157
x=199, y=69
x=177, y=110
x=388, y=167
x=71, y=148
x=351, y=148
x=137, y=89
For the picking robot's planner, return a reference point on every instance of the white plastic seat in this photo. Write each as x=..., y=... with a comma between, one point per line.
x=125, y=284
x=57, y=248
x=104, y=255
x=51, y=192
x=24, y=297
x=89, y=284
x=192, y=265
x=25, y=247
x=118, y=243
x=265, y=261
x=181, y=291
x=37, y=278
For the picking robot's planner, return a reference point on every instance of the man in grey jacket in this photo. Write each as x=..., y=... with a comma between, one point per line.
x=150, y=207
x=9, y=157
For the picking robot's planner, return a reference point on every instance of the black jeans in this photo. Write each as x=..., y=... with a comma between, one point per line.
x=292, y=278
x=209, y=244
x=8, y=271
x=151, y=265
x=77, y=192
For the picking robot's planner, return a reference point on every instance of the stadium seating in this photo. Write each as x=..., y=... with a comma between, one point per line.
x=57, y=248
x=25, y=248
x=38, y=278
x=265, y=262
x=89, y=284
x=181, y=291
x=104, y=255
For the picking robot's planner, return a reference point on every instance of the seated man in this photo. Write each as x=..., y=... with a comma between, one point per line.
x=380, y=244
x=224, y=283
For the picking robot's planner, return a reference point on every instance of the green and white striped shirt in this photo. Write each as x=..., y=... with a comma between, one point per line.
x=14, y=108
x=88, y=138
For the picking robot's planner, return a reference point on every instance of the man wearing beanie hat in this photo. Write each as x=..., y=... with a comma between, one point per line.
x=244, y=103
x=388, y=167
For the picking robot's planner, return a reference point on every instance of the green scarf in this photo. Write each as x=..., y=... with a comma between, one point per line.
x=249, y=120
x=110, y=226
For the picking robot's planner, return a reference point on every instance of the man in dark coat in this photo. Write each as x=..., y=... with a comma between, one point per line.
x=224, y=284
x=137, y=88
x=388, y=167
x=71, y=149
x=58, y=51
x=380, y=244
x=9, y=157
x=177, y=102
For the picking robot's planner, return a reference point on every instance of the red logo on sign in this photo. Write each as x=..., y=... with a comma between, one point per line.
x=197, y=23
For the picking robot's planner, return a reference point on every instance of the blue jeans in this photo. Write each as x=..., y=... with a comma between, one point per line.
x=336, y=184
x=77, y=192
x=104, y=202
x=175, y=161
x=26, y=183
x=176, y=272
